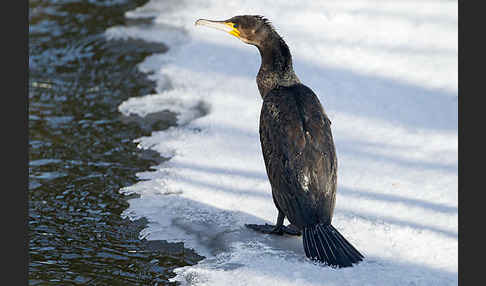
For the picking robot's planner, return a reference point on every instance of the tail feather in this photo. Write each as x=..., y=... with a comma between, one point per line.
x=325, y=244
x=340, y=258
x=342, y=248
x=348, y=246
x=328, y=249
x=306, y=243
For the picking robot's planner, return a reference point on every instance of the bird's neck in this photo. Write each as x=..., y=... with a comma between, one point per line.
x=276, y=67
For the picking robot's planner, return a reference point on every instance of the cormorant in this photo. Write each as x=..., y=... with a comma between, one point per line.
x=297, y=144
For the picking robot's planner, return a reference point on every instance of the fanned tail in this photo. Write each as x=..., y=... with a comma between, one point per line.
x=325, y=244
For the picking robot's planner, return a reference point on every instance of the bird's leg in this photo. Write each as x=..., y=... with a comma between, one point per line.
x=292, y=229
x=279, y=228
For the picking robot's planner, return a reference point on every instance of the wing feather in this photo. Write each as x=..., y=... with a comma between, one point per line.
x=299, y=154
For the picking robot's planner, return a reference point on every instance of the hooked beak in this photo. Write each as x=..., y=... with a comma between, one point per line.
x=220, y=25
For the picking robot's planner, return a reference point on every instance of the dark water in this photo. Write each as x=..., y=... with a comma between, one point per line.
x=81, y=150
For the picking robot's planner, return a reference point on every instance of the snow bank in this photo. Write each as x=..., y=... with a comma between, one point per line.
x=386, y=74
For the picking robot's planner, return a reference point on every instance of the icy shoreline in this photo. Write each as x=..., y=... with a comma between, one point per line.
x=387, y=77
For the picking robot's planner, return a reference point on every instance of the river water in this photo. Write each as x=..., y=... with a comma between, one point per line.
x=81, y=150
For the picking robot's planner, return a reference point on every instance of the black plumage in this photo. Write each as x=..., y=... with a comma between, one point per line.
x=297, y=144
x=299, y=154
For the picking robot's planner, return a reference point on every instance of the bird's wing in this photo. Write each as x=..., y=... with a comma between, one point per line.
x=299, y=154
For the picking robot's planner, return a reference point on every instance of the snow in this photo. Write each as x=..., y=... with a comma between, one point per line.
x=386, y=74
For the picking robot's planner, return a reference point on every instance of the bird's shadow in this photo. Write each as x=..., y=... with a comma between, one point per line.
x=213, y=233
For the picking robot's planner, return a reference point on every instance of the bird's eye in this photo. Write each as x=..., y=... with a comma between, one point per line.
x=235, y=25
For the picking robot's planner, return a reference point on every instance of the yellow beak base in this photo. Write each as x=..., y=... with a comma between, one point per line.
x=235, y=32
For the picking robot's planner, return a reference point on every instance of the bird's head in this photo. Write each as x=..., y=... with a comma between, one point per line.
x=251, y=29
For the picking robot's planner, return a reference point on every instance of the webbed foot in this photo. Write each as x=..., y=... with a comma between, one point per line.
x=273, y=229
